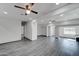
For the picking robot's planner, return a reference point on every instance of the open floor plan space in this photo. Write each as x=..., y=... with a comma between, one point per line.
x=44, y=46
x=39, y=29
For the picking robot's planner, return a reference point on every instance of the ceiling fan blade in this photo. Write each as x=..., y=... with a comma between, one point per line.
x=34, y=12
x=31, y=4
x=24, y=14
x=19, y=7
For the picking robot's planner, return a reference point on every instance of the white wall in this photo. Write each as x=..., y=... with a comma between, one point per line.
x=10, y=30
x=31, y=30
x=34, y=30
x=28, y=30
x=41, y=29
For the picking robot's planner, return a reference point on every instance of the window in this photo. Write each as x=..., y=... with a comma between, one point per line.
x=69, y=30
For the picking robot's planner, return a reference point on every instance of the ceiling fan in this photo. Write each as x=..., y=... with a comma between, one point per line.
x=27, y=8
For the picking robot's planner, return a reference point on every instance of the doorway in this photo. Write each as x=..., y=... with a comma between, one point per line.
x=23, y=24
x=50, y=30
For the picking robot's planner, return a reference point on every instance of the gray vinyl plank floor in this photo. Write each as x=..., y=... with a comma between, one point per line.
x=43, y=46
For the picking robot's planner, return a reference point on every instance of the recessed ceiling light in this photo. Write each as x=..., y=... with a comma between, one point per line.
x=5, y=12
x=57, y=3
x=34, y=20
x=50, y=22
x=62, y=15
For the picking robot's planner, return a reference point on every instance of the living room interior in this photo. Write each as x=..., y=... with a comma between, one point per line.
x=39, y=29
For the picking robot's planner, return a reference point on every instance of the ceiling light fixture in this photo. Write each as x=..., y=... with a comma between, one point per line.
x=5, y=12
x=27, y=11
x=62, y=15
x=57, y=3
x=50, y=22
x=34, y=20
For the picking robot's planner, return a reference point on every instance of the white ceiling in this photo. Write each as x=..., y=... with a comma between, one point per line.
x=46, y=12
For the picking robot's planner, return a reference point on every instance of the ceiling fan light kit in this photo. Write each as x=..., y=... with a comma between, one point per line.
x=27, y=8
x=28, y=12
